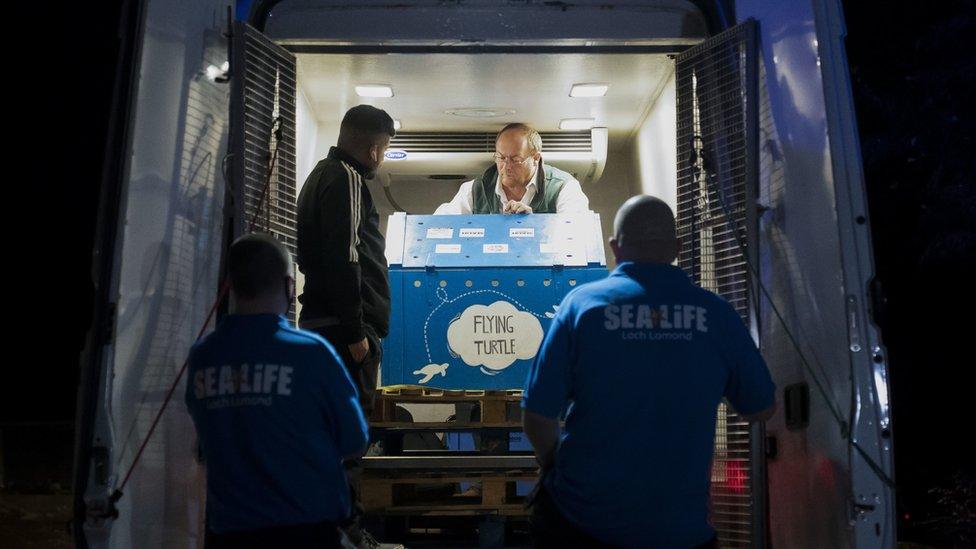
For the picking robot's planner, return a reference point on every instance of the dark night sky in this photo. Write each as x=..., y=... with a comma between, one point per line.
x=913, y=78
x=914, y=81
x=57, y=151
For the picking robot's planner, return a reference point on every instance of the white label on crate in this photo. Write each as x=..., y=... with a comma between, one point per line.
x=495, y=249
x=472, y=233
x=524, y=232
x=447, y=249
x=494, y=336
x=550, y=248
x=435, y=232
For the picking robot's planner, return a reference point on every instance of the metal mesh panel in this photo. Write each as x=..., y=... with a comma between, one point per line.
x=168, y=265
x=713, y=81
x=265, y=97
x=269, y=101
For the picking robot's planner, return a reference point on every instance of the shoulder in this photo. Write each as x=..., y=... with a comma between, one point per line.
x=307, y=343
x=711, y=299
x=588, y=297
x=206, y=348
x=207, y=342
x=555, y=174
x=329, y=170
x=717, y=307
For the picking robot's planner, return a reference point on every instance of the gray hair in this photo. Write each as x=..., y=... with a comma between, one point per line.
x=530, y=133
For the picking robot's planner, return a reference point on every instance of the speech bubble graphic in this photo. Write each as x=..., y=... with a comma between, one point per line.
x=494, y=336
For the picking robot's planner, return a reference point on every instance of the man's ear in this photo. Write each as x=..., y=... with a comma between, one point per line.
x=615, y=247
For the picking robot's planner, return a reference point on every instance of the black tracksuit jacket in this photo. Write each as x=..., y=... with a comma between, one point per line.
x=341, y=251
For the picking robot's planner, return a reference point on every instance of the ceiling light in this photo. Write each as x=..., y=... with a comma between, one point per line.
x=576, y=123
x=479, y=112
x=374, y=90
x=213, y=73
x=589, y=90
x=396, y=124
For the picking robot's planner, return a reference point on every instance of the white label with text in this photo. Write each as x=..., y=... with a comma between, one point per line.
x=447, y=249
x=436, y=232
x=495, y=249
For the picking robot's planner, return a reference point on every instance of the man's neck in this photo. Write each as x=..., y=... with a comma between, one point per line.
x=356, y=157
x=257, y=307
x=516, y=191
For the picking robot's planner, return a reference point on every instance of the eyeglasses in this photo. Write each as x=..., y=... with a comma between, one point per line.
x=499, y=159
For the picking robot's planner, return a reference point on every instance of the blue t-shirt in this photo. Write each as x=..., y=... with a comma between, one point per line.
x=639, y=363
x=275, y=413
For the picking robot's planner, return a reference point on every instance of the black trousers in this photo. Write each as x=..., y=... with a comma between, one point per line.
x=296, y=536
x=550, y=529
x=363, y=373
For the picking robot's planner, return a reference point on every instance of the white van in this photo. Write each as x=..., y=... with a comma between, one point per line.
x=737, y=113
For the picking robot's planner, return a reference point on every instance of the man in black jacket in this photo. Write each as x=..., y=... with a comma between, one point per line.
x=346, y=298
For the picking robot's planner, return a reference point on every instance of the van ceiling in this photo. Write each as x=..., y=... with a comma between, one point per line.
x=536, y=86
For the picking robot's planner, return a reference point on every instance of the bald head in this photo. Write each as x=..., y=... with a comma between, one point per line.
x=644, y=231
x=525, y=136
x=259, y=267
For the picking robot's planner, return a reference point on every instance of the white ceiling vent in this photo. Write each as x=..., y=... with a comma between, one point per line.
x=431, y=155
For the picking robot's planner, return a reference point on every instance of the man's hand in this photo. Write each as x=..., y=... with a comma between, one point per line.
x=516, y=207
x=359, y=350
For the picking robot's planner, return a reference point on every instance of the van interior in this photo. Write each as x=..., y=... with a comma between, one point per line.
x=450, y=106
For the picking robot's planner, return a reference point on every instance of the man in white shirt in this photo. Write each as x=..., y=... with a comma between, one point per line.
x=518, y=182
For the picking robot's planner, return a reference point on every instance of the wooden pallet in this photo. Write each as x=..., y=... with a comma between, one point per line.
x=499, y=409
x=439, y=494
x=433, y=490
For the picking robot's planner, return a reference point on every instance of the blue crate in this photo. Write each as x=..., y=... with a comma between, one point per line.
x=472, y=295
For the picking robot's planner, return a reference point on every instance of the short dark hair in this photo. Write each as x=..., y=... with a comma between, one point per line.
x=257, y=265
x=367, y=121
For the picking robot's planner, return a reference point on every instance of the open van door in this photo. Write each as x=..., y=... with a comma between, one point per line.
x=772, y=216
x=156, y=264
x=263, y=137
x=715, y=88
x=205, y=152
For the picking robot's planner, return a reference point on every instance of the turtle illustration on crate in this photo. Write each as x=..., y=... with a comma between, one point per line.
x=429, y=371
